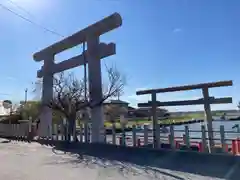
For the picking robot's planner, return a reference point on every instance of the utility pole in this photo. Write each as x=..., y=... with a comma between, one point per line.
x=26, y=90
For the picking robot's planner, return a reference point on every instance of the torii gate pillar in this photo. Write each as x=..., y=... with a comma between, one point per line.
x=95, y=90
x=95, y=52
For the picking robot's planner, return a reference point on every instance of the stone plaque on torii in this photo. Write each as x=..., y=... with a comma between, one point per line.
x=94, y=53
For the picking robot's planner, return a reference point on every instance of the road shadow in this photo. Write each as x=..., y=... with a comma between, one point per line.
x=149, y=161
x=122, y=165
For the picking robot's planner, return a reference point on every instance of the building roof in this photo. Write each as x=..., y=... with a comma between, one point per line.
x=113, y=101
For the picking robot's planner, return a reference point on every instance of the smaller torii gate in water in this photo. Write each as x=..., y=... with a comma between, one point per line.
x=94, y=53
x=206, y=101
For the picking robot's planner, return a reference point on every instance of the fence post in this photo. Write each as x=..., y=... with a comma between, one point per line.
x=223, y=142
x=20, y=131
x=9, y=130
x=158, y=136
x=204, y=140
x=74, y=130
x=30, y=125
x=89, y=133
x=81, y=132
x=23, y=132
x=62, y=132
x=123, y=135
x=187, y=136
x=113, y=133
x=58, y=131
x=104, y=132
x=134, y=138
x=85, y=132
x=13, y=130
x=172, y=143
x=17, y=129
x=50, y=134
x=145, y=130
x=55, y=132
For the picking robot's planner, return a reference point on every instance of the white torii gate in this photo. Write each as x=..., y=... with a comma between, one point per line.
x=94, y=53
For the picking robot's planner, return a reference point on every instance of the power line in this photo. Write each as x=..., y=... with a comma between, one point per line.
x=5, y=94
x=30, y=21
x=20, y=7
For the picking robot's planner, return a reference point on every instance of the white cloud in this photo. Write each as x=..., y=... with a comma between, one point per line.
x=177, y=30
x=11, y=78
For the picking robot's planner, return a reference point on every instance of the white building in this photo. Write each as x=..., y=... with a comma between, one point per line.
x=3, y=111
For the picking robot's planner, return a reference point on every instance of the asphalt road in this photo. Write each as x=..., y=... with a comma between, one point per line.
x=25, y=161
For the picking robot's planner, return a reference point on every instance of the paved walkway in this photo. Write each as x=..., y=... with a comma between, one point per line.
x=24, y=161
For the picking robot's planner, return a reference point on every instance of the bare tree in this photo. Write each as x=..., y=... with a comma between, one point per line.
x=69, y=94
x=238, y=105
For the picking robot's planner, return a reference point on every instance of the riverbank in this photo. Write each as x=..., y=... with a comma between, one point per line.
x=178, y=120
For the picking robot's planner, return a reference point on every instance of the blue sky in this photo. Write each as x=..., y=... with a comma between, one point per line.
x=161, y=43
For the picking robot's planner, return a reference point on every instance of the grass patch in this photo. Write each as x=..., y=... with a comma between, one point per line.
x=170, y=120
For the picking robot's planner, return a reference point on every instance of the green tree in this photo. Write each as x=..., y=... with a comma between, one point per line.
x=29, y=109
x=32, y=109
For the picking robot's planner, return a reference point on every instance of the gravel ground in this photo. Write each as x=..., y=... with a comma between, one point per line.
x=25, y=161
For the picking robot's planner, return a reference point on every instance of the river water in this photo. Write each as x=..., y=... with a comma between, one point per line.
x=230, y=133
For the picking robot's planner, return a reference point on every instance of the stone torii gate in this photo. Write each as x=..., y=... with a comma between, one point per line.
x=94, y=53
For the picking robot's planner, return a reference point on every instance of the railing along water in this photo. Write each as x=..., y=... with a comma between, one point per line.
x=136, y=137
